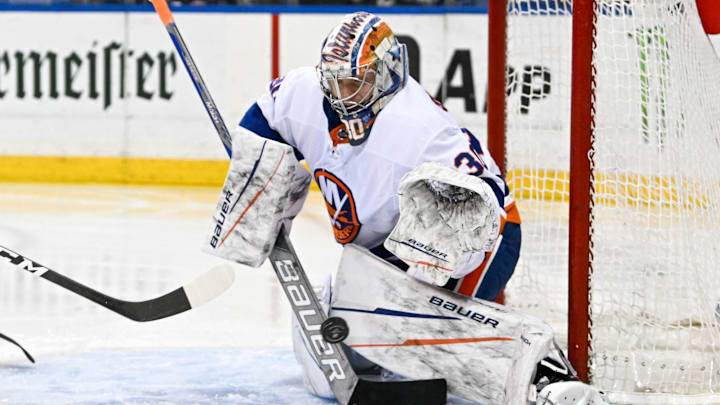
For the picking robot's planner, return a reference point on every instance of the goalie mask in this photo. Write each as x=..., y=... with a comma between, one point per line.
x=362, y=65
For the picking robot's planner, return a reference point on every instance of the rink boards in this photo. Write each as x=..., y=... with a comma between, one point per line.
x=105, y=87
x=109, y=87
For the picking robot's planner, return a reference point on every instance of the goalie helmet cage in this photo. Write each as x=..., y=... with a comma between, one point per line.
x=608, y=115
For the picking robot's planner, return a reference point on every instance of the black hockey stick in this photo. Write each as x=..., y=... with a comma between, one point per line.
x=349, y=390
x=29, y=357
x=193, y=294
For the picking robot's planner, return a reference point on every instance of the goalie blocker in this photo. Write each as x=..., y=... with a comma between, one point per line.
x=264, y=185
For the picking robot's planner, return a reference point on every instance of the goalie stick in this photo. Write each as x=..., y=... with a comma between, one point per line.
x=348, y=388
x=191, y=295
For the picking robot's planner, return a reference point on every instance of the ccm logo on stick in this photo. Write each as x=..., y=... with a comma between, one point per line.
x=22, y=262
x=309, y=318
x=451, y=306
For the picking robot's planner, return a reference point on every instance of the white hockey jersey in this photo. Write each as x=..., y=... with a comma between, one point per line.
x=359, y=183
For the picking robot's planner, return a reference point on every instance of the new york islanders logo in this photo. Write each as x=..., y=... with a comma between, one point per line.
x=340, y=205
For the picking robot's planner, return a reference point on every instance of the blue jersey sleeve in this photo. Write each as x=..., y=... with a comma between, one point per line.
x=255, y=121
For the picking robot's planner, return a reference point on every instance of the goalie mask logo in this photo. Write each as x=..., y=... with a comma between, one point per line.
x=340, y=205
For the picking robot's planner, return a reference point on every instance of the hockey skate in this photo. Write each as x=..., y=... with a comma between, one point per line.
x=570, y=393
x=556, y=383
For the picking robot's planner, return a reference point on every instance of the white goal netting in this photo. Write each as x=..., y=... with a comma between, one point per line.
x=655, y=284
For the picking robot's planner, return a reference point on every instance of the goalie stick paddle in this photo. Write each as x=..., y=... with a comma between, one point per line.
x=349, y=390
x=193, y=294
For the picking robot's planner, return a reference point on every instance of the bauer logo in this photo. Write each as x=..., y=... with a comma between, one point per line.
x=462, y=311
x=309, y=318
x=525, y=340
x=220, y=219
x=427, y=249
x=340, y=205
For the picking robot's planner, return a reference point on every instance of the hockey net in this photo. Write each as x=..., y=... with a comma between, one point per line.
x=653, y=334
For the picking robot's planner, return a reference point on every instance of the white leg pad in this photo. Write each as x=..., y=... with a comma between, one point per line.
x=486, y=352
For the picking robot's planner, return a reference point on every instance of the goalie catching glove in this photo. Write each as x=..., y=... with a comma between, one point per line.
x=448, y=222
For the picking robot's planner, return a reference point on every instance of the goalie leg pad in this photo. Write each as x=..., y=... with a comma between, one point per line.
x=487, y=352
x=313, y=377
x=264, y=186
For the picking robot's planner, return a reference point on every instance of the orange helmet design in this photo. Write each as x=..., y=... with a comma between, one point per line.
x=362, y=66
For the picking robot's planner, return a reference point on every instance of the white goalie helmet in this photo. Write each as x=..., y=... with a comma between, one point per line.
x=362, y=65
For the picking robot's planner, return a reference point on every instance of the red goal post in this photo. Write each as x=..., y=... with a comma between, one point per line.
x=605, y=118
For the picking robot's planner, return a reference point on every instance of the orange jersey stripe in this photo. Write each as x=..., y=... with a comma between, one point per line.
x=513, y=214
x=427, y=264
x=470, y=281
x=427, y=342
x=334, y=135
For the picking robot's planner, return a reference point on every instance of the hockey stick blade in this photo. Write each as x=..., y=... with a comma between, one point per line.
x=415, y=392
x=195, y=293
x=27, y=354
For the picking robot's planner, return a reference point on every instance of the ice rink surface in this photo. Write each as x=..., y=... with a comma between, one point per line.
x=136, y=243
